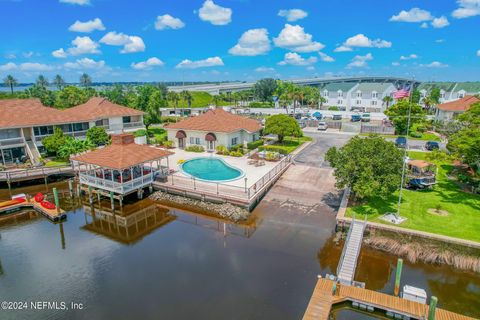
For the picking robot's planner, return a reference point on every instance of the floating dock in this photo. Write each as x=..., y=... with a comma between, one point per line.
x=327, y=293
x=52, y=214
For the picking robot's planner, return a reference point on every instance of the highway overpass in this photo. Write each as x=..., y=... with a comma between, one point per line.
x=318, y=82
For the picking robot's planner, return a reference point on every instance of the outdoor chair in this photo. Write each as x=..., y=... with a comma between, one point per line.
x=252, y=161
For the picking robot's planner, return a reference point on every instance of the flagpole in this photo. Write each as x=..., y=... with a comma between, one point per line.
x=397, y=215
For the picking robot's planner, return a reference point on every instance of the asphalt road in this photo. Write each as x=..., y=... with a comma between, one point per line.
x=314, y=154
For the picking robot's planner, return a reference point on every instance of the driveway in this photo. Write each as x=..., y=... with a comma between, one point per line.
x=314, y=154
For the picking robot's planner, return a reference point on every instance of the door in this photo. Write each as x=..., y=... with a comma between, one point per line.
x=211, y=145
x=7, y=156
x=181, y=143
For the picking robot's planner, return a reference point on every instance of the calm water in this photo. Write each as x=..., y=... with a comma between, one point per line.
x=171, y=264
x=211, y=169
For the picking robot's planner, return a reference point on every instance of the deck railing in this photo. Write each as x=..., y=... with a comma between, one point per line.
x=11, y=175
x=115, y=186
x=11, y=141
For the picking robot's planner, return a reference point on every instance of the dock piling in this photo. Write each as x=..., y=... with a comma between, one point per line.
x=398, y=276
x=432, y=307
x=55, y=196
x=70, y=188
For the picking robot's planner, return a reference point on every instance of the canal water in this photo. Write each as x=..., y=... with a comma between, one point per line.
x=155, y=262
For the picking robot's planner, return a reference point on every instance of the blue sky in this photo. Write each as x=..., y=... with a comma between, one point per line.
x=173, y=40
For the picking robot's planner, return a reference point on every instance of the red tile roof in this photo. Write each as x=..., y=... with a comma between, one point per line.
x=31, y=112
x=217, y=120
x=122, y=154
x=460, y=105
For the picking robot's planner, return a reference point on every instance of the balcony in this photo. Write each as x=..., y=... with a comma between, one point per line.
x=129, y=125
x=11, y=142
x=117, y=187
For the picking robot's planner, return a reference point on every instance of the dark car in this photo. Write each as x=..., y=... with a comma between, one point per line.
x=337, y=117
x=401, y=142
x=432, y=145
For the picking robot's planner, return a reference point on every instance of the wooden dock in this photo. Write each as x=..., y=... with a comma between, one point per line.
x=52, y=214
x=351, y=250
x=323, y=298
x=18, y=175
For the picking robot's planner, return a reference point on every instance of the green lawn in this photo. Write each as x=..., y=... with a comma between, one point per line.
x=288, y=145
x=159, y=134
x=463, y=220
x=200, y=100
x=424, y=137
x=54, y=163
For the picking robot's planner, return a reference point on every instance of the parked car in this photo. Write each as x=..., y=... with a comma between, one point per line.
x=355, y=118
x=337, y=117
x=317, y=115
x=366, y=117
x=322, y=126
x=432, y=145
x=401, y=142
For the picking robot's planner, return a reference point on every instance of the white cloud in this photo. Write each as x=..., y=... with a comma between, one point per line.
x=467, y=8
x=435, y=64
x=59, y=53
x=294, y=38
x=83, y=45
x=478, y=53
x=264, y=70
x=215, y=14
x=395, y=64
x=253, y=42
x=34, y=66
x=413, y=15
x=342, y=49
x=325, y=57
x=8, y=66
x=209, y=62
x=409, y=57
x=87, y=26
x=441, y=22
x=294, y=59
x=85, y=63
x=440, y=40
x=10, y=56
x=424, y=25
x=130, y=44
x=168, y=22
x=293, y=14
x=148, y=64
x=79, y=2
x=362, y=41
x=28, y=54
x=360, y=61
x=310, y=68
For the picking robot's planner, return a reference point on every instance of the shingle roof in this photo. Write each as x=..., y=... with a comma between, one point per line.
x=122, y=153
x=334, y=87
x=31, y=112
x=459, y=105
x=373, y=86
x=217, y=120
x=446, y=86
x=470, y=87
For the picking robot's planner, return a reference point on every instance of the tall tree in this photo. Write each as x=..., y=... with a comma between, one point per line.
x=282, y=125
x=173, y=97
x=155, y=102
x=387, y=100
x=187, y=97
x=416, y=96
x=264, y=89
x=370, y=166
x=85, y=80
x=10, y=81
x=399, y=115
x=59, y=82
x=42, y=82
x=435, y=95
x=70, y=96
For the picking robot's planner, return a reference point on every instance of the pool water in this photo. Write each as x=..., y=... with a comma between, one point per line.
x=211, y=169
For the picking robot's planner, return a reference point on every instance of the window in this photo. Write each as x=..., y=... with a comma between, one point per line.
x=325, y=93
x=374, y=103
x=10, y=133
x=234, y=141
x=359, y=101
x=66, y=127
x=101, y=123
x=197, y=140
x=43, y=131
x=194, y=140
x=82, y=126
x=340, y=102
x=374, y=95
x=460, y=95
x=359, y=94
x=127, y=119
x=254, y=137
x=340, y=94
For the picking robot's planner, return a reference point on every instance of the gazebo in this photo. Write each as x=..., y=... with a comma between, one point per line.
x=122, y=167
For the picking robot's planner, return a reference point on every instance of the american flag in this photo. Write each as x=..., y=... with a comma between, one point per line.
x=402, y=92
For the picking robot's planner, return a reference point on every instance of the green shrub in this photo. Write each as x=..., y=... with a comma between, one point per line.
x=261, y=105
x=421, y=129
x=279, y=149
x=236, y=147
x=168, y=144
x=195, y=148
x=254, y=144
x=333, y=108
x=160, y=139
x=415, y=134
x=270, y=156
x=98, y=136
x=140, y=133
x=221, y=149
x=168, y=119
x=236, y=154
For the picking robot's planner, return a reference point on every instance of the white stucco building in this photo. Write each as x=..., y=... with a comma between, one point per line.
x=213, y=128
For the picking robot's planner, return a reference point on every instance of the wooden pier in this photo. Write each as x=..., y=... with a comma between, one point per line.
x=52, y=214
x=351, y=250
x=18, y=175
x=327, y=293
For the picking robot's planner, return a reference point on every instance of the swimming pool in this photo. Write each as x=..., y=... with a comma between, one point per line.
x=211, y=169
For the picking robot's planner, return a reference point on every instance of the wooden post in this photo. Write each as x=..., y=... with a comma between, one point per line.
x=70, y=187
x=432, y=308
x=62, y=235
x=112, y=203
x=245, y=185
x=398, y=275
x=55, y=196
x=90, y=195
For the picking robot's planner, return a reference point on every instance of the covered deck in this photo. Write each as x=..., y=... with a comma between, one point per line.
x=122, y=167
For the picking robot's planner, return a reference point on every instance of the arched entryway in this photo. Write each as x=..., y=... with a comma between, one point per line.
x=211, y=139
x=181, y=136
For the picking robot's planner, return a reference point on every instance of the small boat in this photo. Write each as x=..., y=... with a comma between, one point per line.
x=11, y=202
x=47, y=205
x=39, y=197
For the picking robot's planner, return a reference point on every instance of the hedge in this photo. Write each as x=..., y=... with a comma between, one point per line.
x=194, y=148
x=254, y=144
x=279, y=149
x=261, y=105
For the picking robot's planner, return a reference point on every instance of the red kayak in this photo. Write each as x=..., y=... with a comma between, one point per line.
x=47, y=205
x=39, y=197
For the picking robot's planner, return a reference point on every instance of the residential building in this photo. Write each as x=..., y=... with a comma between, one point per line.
x=213, y=128
x=368, y=97
x=338, y=94
x=25, y=122
x=448, y=111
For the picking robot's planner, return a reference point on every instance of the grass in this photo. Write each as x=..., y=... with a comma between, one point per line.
x=462, y=222
x=54, y=163
x=159, y=134
x=425, y=136
x=288, y=145
x=200, y=100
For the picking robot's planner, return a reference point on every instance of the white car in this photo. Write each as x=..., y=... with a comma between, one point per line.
x=322, y=126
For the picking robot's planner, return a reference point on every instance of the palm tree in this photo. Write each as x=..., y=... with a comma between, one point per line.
x=187, y=96
x=321, y=100
x=427, y=102
x=174, y=98
x=59, y=82
x=85, y=80
x=42, y=82
x=387, y=100
x=10, y=81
